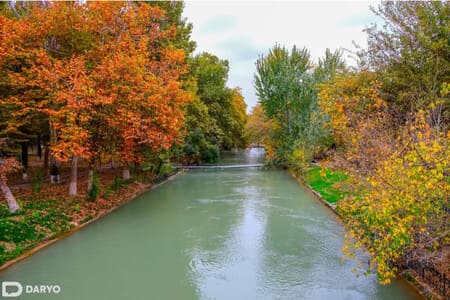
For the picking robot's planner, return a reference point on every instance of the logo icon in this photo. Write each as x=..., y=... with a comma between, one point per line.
x=11, y=289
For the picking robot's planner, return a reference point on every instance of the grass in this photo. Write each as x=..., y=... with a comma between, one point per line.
x=39, y=219
x=329, y=183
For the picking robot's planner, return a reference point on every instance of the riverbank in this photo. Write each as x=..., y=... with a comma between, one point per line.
x=51, y=215
x=328, y=186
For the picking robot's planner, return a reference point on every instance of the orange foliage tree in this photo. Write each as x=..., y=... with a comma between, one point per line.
x=258, y=126
x=103, y=73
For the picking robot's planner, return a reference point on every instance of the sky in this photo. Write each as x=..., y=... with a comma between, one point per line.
x=242, y=31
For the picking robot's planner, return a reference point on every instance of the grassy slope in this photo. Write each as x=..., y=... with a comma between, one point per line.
x=326, y=182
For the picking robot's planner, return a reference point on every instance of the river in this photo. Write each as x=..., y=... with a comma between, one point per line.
x=225, y=234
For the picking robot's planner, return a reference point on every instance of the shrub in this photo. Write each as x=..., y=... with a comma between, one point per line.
x=93, y=193
x=211, y=154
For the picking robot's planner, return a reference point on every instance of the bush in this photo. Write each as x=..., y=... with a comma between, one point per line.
x=93, y=193
x=37, y=184
x=211, y=154
x=119, y=183
x=165, y=169
x=299, y=161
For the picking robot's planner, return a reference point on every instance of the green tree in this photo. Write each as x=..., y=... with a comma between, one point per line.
x=216, y=118
x=285, y=90
x=411, y=54
x=281, y=83
x=212, y=74
x=174, y=18
x=330, y=65
x=286, y=84
x=201, y=142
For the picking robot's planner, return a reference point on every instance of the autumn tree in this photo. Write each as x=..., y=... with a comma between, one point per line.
x=352, y=103
x=397, y=209
x=22, y=127
x=388, y=120
x=100, y=64
x=238, y=119
x=40, y=67
x=258, y=127
x=400, y=214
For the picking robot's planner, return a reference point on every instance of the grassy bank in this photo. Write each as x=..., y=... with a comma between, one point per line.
x=50, y=213
x=330, y=184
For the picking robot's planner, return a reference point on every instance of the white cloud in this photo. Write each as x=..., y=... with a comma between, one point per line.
x=240, y=31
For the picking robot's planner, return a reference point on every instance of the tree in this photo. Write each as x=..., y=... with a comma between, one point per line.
x=315, y=137
x=411, y=55
x=238, y=119
x=215, y=99
x=8, y=165
x=44, y=75
x=286, y=84
x=21, y=127
x=400, y=214
x=348, y=102
x=398, y=207
x=280, y=83
x=285, y=90
x=201, y=142
x=101, y=70
x=329, y=66
x=173, y=18
x=258, y=127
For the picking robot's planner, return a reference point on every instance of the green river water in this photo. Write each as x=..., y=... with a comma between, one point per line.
x=225, y=234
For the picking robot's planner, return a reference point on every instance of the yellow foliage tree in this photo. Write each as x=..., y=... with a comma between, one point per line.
x=358, y=119
x=402, y=212
x=399, y=209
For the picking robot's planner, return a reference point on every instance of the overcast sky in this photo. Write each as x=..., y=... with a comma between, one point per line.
x=241, y=31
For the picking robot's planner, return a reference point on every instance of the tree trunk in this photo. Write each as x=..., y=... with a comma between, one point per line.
x=54, y=172
x=126, y=173
x=288, y=118
x=90, y=179
x=73, y=176
x=24, y=147
x=46, y=155
x=39, y=148
x=137, y=168
x=12, y=203
x=12, y=6
x=160, y=163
